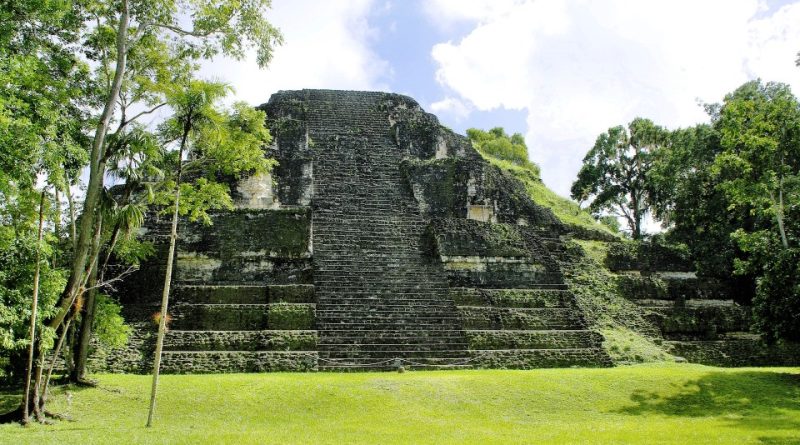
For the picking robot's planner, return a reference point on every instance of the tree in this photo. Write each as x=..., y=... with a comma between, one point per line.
x=731, y=192
x=121, y=30
x=214, y=144
x=498, y=144
x=759, y=126
x=47, y=95
x=614, y=174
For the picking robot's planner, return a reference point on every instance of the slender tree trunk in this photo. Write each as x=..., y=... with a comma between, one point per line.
x=162, y=322
x=56, y=223
x=636, y=227
x=34, y=309
x=96, y=173
x=44, y=383
x=85, y=331
x=78, y=374
x=779, y=216
x=45, y=387
x=72, y=218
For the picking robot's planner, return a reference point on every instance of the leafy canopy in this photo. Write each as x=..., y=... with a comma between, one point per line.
x=614, y=175
x=497, y=144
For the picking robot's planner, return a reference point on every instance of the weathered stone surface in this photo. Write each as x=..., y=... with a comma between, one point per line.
x=741, y=350
x=380, y=236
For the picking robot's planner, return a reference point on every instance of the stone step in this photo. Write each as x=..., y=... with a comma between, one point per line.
x=238, y=317
x=217, y=294
x=411, y=326
x=661, y=303
x=391, y=364
x=521, y=298
x=347, y=352
x=702, y=322
x=524, y=339
x=494, y=318
x=266, y=340
x=384, y=304
x=349, y=337
x=203, y=362
x=377, y=313
x=539, y=358
x=736, y=349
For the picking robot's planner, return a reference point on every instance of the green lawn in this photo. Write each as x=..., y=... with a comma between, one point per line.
x=648, y=404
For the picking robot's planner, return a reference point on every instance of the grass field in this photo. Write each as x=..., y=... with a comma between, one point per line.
x=648, y=404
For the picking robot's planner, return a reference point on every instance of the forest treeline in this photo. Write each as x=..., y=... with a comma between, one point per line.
x=728, y=192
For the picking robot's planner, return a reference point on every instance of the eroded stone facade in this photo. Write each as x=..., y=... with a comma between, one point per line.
x=380, y=239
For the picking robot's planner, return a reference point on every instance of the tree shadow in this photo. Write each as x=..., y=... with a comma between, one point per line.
x=749, y=400
x=11, y=398
x=9, y=401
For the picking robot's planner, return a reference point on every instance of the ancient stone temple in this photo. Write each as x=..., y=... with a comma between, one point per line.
x=382, y=239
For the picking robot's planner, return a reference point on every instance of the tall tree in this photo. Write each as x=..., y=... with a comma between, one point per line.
x=139, y=48
x=121, y=31
x=614, y=175
x=759, y=126
x=213, y=143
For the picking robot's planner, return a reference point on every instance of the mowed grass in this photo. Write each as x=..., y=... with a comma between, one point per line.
x=648, y=404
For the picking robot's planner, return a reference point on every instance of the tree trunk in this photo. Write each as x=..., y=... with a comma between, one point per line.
x=56, y=223
x=779, y=216
x=34, y=309
x=85, y=331
x=72, y=217
x=96, y=173
x=162, y=322
x=43, y=383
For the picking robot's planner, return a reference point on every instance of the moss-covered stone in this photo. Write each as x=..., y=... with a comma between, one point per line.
x=640, y=287
x=510, y=339
x=291, y=293
x=272, y=340
x=291, y=316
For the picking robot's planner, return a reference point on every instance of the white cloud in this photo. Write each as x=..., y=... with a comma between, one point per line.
x=453, y=106
x=580, y=67
x=326, y=46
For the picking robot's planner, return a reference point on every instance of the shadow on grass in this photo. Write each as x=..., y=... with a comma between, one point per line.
x=11, y=398
x=9, y=401
x=750, y=400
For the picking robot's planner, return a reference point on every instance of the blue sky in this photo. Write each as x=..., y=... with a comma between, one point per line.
x=559, y=72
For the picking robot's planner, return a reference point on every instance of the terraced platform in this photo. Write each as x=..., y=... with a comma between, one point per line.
x=381, y=240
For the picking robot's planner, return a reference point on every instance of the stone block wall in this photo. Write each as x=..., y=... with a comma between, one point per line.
x=383, y=238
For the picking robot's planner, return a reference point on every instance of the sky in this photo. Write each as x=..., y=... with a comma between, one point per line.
x=559, y=72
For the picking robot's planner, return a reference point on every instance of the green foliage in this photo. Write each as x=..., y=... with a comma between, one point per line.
x=497, y=144
x=730, y=190
x=133, y=251
x=629, y=335
x=109, y=327
x=777, y=300
x=565, y=210
x=216, y=142
x=759, y=167
x=615, y=171
x=18, y=260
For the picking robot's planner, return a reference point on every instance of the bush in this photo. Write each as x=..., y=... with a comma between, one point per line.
x=777, y=302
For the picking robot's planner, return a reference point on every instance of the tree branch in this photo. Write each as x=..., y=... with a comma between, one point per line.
x=138, y=115
x=177, y=30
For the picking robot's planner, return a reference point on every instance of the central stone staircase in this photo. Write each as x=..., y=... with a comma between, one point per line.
x=380, y=301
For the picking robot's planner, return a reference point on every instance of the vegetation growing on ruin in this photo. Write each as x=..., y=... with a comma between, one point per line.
x=629, y=336
x=568, y=211
x=663, y=404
